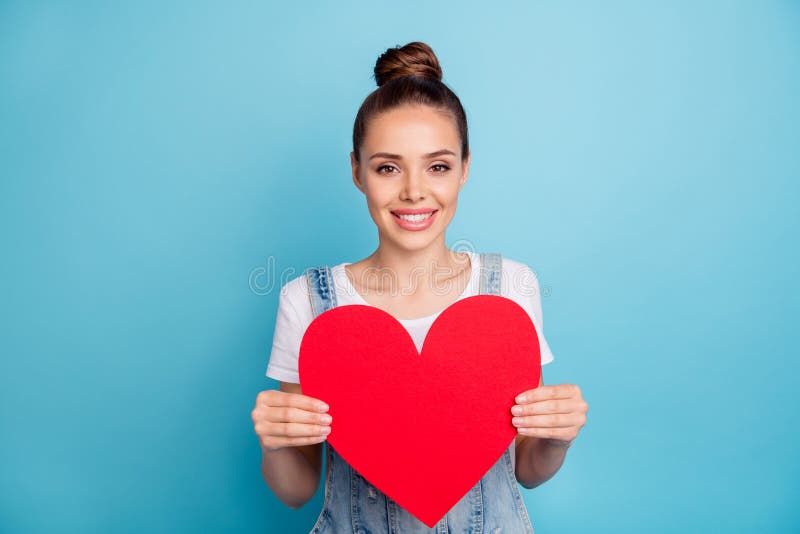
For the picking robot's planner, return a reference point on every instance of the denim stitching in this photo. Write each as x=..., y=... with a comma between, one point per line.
x=476, y=517
x=354, y=510
x=324, y=515
x=521, y=510
x=482, y=274
x=490, y=273
x=441, y=526
x=391, y=516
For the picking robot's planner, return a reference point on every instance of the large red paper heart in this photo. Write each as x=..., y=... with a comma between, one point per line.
x=422, y=428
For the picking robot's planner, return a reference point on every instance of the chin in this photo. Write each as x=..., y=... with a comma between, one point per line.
x=417, y=241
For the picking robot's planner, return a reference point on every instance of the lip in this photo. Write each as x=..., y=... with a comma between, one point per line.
x=414, y=211
x=414, y=226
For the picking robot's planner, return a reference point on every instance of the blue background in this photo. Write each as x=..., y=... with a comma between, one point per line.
x=157, y=161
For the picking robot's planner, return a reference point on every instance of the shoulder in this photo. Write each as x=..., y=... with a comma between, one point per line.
x=518, y=277
x=296, y=289
x=294, y=298
x=513, y=266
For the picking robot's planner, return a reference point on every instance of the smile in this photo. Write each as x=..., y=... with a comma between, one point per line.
x=415, y=220
x=416, y=217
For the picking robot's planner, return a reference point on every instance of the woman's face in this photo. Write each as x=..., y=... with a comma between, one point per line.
x=411, y=172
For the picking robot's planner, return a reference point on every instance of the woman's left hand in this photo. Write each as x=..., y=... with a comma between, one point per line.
x=556, y=412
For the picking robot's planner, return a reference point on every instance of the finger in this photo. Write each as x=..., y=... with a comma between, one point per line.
x=557, y=420
x=297, y=430
x=571, y=405
x=275, y=397
x=290, y=414
x=557, y=391
x=545, y=407
x=524, y=396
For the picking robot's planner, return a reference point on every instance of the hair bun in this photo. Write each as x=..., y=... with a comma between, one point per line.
x=413, y=59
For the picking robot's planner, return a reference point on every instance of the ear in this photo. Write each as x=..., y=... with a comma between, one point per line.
x=354, y=169
x=465, y=171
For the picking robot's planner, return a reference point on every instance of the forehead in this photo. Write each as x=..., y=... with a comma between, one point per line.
x=412, y=129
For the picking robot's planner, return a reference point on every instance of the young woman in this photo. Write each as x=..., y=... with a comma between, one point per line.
x=410, y=159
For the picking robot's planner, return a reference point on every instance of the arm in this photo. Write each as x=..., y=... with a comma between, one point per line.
x=292, y=473
x=538, y=458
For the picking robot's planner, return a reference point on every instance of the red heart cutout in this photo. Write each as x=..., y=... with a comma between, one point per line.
x=422, y=428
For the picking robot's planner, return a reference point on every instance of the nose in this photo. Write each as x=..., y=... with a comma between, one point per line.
x=413, y=186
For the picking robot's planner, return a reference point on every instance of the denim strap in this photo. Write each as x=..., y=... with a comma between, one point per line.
x=491, y=271
x=320, y=289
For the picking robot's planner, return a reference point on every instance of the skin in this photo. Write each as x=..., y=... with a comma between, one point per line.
x=290, y=426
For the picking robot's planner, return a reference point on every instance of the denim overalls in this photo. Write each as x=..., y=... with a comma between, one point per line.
x=354, y=506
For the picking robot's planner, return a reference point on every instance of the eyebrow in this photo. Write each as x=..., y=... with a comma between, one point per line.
x=398, y=156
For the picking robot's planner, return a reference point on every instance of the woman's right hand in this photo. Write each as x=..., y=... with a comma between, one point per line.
x=283, y=419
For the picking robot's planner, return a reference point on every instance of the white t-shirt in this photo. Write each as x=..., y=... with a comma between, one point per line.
x=517, y=282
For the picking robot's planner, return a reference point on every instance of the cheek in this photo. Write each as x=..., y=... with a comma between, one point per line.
x=381, y=195
x=447, y=193
x=376, y=205
x=376, y=200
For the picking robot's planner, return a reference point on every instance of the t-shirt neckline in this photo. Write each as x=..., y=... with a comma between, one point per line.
x=473, y=258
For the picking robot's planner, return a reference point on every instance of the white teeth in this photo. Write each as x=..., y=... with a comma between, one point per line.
x=415, y=218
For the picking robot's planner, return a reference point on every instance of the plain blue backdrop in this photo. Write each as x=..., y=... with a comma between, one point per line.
x=163, y=163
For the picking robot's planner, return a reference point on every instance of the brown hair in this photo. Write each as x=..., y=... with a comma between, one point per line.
x=410, y=74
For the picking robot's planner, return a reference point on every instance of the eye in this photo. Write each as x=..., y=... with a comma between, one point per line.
x=444, y=167
x=379, y=169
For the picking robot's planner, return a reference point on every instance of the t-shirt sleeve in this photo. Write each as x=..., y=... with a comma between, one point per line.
x=283, y=360
x=527, y=290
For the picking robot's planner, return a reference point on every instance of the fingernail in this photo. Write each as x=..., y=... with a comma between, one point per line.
x=516, y=410
x=520, y=398
x=322, y=406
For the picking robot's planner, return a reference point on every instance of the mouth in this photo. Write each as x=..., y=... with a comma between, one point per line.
x=414, y=216
x=416, y=219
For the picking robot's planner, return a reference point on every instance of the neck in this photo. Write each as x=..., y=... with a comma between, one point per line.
x=409, y=270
